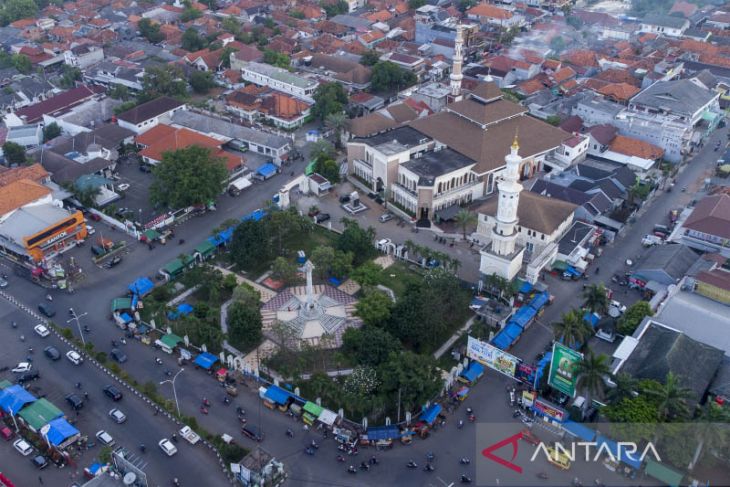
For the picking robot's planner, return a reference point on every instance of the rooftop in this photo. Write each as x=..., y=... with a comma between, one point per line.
x=58, y=103
x=19, y=193
x=433, y=164
x=150, y=109
x=211, y=125
x=395, y=141
x=280, y=74
x=680, y=96
x=535, y=211
x=711, y=216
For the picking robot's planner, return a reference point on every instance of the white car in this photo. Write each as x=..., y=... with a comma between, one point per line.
x=42, y=330
x=90, y=230
x=167, y=447
x=23, y=367
x=620, y=307
x=118, y=416
x=123, y=187
x=75, y=357
x=104, y=438
x=23, y=447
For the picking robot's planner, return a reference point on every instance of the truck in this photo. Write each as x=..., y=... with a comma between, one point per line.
x=651, y=240
x=190, y=435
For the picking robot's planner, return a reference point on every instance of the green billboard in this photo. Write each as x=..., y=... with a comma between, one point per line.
x=564, y=369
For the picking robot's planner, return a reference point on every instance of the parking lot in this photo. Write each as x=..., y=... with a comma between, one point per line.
x=136, y=197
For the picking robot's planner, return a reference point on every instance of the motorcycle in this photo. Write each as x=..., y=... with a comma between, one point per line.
x=465, y=479
x=364, y=466
x=158, y=360
x=472, y=418
x=465, y=461
x=542, y=475
x=174, y=438
x=340, y=458
x=240, y=410
x=309, y=450
x=517, y=413
x=226, y=401
x=206, y=402
x=351, y=469
x=412, y=464
x=14, y=324
x=314, y=445
x=290, y=433
x=203, y=410
x=460, y=424
x=429, y=468
x=114, y=343
x=49, y=297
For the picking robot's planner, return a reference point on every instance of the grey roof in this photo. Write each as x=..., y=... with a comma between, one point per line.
x=108, y=136
x=150, y=109
x=436, y=163
x=30, y=220
x=404, y=137
x=280, y=74
x=672, y=259
x=666, y=21
x=65, y=170
x=706, y=78
x=662, y=350
x=571, y=195
x=351, y=21
x=575, y=234
x=720, y=385
x=211, y=125
x=678, y=96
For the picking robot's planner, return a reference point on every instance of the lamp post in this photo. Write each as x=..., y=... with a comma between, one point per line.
x=75, y=317
x=174, y=391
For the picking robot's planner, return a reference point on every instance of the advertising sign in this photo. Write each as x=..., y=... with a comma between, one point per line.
x=564, y=369
x=553, y=412
x=528, y=398
x=525, y=373
x=492, y=357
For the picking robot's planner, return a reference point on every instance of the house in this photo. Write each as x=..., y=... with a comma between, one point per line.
x=486, y=13
x=25, y=135
x=588, y=206
x=120, y=73
x=719, y=20
x=667, y=25
x=280, y=79
x=83, y=56
x=245, y=54
x=205, y=59
x=147, y=115
x=707, y=228
x=662, y=265
x=340, y=68
x=714, y=284
x=414, y=64
x=259, y=467
x=282, y=110
x=58, y=104
x=638, y=155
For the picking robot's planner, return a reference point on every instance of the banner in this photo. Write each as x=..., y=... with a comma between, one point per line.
x=564, y=369
x=492, y=356
x=549, y=410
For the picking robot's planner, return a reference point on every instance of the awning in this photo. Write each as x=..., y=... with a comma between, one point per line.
x=429, y=415
x=383, y=433
x=523, y=316
x=255, y=215
x=141, y=286
x=13, y=398
x=448, y=213
x=126, y=318
x=579, y=431
x=221, y=372
x=539, y=301
x=151, y=234
x=277, y=395
x=205, y=249
x=267, y=170
x=502, y=340
x=206, y=360
x=512, y=330
x=662, y=473
x=241, y=183
x=313, y=409
x=170, y=340
x=560, y=265
x=60, y=430
x=121, y=304
x=40, y=413
x=327, y=417
x=525, y=287
x=592, y=319
x=474, y=371
x=622, y=455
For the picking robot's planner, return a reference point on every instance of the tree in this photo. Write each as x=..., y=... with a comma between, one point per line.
x=13, y=10
x=557, y=44
x=231, y=25
x=553, y=120
x=51, y=131
x=328, y=98
x=336, y=121
x=670, y=397
x=633, y=317
x=464, y=5
x=286, y=223
x=595, y=298
x=246, y=295
x=119, y=92
x=250, y=246
x=321, y=149
x=465, y=219
x=22, y=63
x=374, y=308
x=709, y=436
x=322, y=257
x=387, y=76
x=358, y=241
x=226, y=56
x=150, y=31
x=574, y=22
x=163, y=80
x=415, y=4
x=368, y=274
x=186, y=177
x=244, y=326
x=284, y=270
x=591, y=374
x=191, y=40
x=625, y=388
x=335, y=8
x=201, y=81
x=278, y=59
x=190, y=12
x=14, y=153
x=328, y=167
x=71, y=74
x=571, y=330
x=369, y=345
x=634, y=410
x=410, y=377
x=369, y=57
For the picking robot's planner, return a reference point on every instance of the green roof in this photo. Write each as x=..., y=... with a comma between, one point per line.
x=206, y=248
x=40, y=413
x=151, y=234
x=663, y=473
x=171, y=340
x=313, y=409
x=176, y=266
x=121, y=304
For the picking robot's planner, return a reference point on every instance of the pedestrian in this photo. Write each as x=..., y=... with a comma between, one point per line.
x=40, y=480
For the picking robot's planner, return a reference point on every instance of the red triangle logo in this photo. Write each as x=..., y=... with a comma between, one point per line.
x=514, y=441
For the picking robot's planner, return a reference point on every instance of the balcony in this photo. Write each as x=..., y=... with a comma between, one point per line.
x=465, y=188
x=399, y=187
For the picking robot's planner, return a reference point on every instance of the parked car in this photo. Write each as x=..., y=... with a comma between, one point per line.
x=29, y=377
x=385, y=217
x=75, y=401
x=321, y=217
x=3, y=283
x=40, y=462
x=104, y=438
x=22, y=367
x=117, y=415
x=118, y=355
x=167, y=447
x=75, y=357
x=112, y=393
x=52, y=353
x=123, y=187
x=345, y=198
x=253, y=432
x=22, y=447
x=113, y=262
x=145, y=168
x=90, y=230
x=42, y=330
x=6, y=433
x=94, y=217
x=47, y=310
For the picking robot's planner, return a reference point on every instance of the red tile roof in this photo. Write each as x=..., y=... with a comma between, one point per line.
x=620, y=92
x=635, y=147
x=58, y=103
x=489, y=11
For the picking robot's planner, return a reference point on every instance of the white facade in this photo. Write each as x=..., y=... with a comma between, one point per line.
x=280, y=79
x=664, y=30
x=145, y=125
x=83, y=60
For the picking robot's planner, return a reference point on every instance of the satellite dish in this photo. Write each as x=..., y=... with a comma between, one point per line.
x=130, y=478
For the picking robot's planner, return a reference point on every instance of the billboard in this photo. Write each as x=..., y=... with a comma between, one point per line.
x=564, y=369
x=492, y=356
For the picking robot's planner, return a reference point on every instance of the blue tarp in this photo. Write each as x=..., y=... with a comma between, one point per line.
x=277, y=394
x=206, y=360
x=572, y=270
x=141, y=286
x=267, y=170
x=13, y=398
x=474, y=371
x=478, y=302
x=226, y=235
x=334, y=281
x=539, y=301
x=183, y=309
x=541, y=366
x=429, y=415
x=512, y=330
x=592, y=319
x=125, y=317
x=526, y=287
x=255, y=215
x=579, y=431
x=135, y=301
x=383, y=433
x=60, y=430
x=622, y=456
x=502, y=341
x=523, y=316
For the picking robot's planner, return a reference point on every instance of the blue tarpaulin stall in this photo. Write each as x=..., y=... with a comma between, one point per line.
x=277, y=395
x=183, y=309
x=60, y=430
x=335, y=282
x=579, y=431
x=474, y=372
x=135, y=301
x=205, y=360
x=502, y=341
x=14, y=398
x=383, y=433
x=525, y=287
x=623, y=456
x=573, y=271
x=513, y=331
x=539, y=301
x=267, y=170
x=126, y=318
x=523, y=316
x=592, y=319
x=429, y=415
x=255, y=215
x=141, y=286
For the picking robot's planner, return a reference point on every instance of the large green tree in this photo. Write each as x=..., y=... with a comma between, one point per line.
x=328, y=168
x=595, y=298
x=250, y=244
x=369, y=345
x=51, y=131
x=329, y=98
x=388, y=76
x=336, y=7
x=71, y=74
x=369, y=57
x=368, y=274
x=14, y=153
x=357, y=240
x=12, y=10
x=192, y=41
x=150, y=31
x=22, y=63
x=633, y=317
x=671, y=398
x=411, y=377
x=284, y=270
x=591, y=374
x=625, y=387
x=201, y=81
x=374, y=308
x=336, y=121
x=186, y=177
x=166, y=79
x=244, y=326
x=572, y=330
x=286, y=224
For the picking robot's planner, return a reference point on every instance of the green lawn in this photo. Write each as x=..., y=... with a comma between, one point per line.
x=397, y=277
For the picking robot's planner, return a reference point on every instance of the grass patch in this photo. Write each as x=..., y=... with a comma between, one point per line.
x=398, y=276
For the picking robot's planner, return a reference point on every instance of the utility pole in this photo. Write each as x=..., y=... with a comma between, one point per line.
x=75, y=317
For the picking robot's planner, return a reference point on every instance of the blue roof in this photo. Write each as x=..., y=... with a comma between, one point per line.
x=184, y=309
x=267, y=169
x=277, y=394
x=474, y=371
x=429, y=415
x=573, y=270
x=206, y=360
x=226, y=235
x=623, y=455
x=126, y=317
x=579, y=431
x=141, y=286
x=592, y=319
x=135, y=301
x=334, y=281
x=523, y=316
x=60, y=430
x=383, y=433
x=539, y=301
x=502, y=340
x=13, y=398
x=512, y=330
x=526, y=287
x=255, y=215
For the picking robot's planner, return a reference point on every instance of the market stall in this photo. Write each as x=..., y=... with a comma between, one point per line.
x=311, y=412
x=205, y=360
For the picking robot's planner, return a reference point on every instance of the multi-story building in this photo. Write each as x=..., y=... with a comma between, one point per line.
x=280, y=79
x=83, y=56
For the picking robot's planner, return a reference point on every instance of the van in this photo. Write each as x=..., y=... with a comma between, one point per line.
x=47, y=310
x=253, y=432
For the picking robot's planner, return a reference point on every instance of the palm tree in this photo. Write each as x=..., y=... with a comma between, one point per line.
x=625, y=388
x=671, y=398
x=465, y=219
x=591, y=374
x=709, y=435
x=336, y=121
x=571, y=329
x=595, y=298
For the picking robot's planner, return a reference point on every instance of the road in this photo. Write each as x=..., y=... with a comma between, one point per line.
x=488, y=398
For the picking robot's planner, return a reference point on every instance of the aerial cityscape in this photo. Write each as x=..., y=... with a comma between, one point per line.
x=364, y=243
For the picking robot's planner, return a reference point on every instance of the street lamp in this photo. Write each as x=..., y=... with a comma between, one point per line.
x=75, y=317
x=174, y=392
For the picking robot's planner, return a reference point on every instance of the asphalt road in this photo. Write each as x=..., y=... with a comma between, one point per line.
x=488, y=398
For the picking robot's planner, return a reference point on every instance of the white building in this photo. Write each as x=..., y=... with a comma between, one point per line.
x=83, y=56
x=147, y=115
x=280, y=79
x=667, y=25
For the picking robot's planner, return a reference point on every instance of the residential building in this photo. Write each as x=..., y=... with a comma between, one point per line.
x=339, y=68
x=259, y=469
x=280, y=79
x=25, y=135
x=707, y=228
x=55, y=105
x=147, y=115
x=111, y=74
x=282, y=110
x=589, y=206
x=83, y=56
x=714, y=284
x=662, y=266
x=667, y=25
x=245, y=55
x=486, y=13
